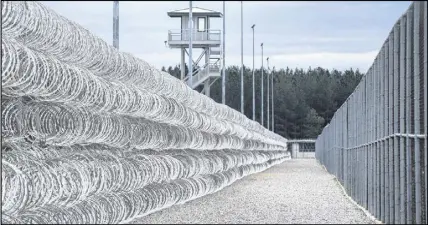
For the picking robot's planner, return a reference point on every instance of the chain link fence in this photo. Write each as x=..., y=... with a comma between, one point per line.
x=376, y=142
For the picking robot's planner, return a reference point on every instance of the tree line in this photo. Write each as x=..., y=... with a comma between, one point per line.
x=304, y=100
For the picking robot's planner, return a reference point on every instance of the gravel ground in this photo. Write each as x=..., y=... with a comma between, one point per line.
x=296, y=191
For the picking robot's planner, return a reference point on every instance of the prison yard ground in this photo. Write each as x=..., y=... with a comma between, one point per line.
x=296, y=191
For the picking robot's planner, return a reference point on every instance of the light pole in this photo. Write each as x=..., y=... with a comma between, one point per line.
x=262, y=85
x=267, y=97
x=116, y=24
x=190, y=46
x=242, y=60
x=223, y=77
x=254, y=93
x=271, y=77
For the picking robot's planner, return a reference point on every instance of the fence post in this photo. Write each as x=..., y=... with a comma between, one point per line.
x=424, y=41
x=417, y=129
x=402, y=119
x=409, y=65
x=390, y=127
x=396, y=124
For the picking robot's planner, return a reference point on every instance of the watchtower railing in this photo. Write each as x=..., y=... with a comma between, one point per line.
x=184, y=35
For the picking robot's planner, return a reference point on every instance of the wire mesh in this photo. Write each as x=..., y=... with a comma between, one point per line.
x=384, y=162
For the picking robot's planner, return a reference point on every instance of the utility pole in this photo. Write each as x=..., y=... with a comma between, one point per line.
x=116, y=24
x=262, y=85
x=268, y=100
x=254, y=93
x=190, y=46
x=271, y=76
x=242, y=60
x=223, y=77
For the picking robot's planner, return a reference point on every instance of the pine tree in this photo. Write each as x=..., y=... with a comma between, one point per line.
x=305, y=100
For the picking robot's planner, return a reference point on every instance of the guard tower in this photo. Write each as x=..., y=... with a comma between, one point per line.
x=202, y=37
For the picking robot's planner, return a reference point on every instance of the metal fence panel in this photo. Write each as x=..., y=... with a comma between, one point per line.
x=396, y=107
x=416, y=85
x=409, y=59
x=376, y=141
x=425, y=63
x=402, y=130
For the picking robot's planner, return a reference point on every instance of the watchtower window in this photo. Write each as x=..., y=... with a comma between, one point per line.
x=201, y=24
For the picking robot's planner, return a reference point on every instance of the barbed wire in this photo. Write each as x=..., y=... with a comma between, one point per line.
x=42, y=30
x=36, y=181
x=47, y=79
x=94, y=135
x=60, y=124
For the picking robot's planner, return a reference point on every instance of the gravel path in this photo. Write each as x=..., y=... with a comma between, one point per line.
x=296, y=191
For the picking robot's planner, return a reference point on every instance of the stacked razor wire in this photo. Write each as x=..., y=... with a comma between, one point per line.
x=94, y=135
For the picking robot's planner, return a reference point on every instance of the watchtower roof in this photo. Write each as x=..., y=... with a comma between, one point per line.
x=195, y=11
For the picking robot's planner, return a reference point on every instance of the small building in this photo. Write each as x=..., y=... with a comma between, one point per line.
x=203, y=37
x=301, y=148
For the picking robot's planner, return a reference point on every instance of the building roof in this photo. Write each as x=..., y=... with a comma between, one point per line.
x=195, y=11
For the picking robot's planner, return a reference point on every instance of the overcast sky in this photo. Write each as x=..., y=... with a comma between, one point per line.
x=295, y=34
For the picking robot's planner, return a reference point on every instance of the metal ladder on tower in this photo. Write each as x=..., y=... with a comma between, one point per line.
x=208, y=70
